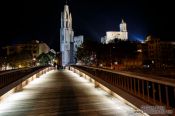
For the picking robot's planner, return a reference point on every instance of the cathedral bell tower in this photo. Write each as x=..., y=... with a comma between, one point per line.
x=123, y=27
x=66, y=37
x=123, y=30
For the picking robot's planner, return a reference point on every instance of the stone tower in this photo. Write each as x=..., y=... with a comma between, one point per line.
x=123, y=30
x=66, y=37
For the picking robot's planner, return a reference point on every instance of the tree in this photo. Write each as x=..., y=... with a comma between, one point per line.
x=51, y=55
x=44, y=59
x=96, y=53
x=87, y=52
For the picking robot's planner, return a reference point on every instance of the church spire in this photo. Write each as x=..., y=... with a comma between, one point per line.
x=66, y=2
x=123, y=21
x=66, y=37
x=123, y=26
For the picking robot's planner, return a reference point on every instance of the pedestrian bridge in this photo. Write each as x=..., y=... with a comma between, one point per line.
x=65, y=92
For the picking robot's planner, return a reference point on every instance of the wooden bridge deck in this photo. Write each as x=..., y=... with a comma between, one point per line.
x=63, y=93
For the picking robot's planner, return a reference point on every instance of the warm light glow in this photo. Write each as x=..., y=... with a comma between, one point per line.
x=116, y=106
x=34, y=59
x=113, y=99
x=19, y=66
x=116, y=63
x=10, y=96
x=12, y=101
x=140, y=50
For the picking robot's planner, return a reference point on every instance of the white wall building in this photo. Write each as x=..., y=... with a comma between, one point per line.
x=103, y=40
x=111, y=35
x=78, y=41
x=34, y=47
x=43, y=48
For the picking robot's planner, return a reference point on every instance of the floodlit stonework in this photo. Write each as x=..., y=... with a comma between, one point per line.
x=111, y=35
x=67, y=40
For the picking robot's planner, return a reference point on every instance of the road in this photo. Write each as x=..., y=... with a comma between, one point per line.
x=63, y=93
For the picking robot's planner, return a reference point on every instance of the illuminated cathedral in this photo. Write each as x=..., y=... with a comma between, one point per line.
x=121, y=35
x=68, y=43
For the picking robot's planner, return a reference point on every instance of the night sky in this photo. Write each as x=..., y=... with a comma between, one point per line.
x=40, y=19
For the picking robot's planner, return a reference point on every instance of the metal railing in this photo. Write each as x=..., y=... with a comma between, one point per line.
x=10, y=76
x=154, y=91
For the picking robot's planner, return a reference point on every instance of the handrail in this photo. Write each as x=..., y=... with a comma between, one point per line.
x=155, y=79
x=9, y=77
x=154, y=91
x=14, y=82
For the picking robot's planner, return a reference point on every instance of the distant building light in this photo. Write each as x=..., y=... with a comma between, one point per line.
x=19, y=66
x=140, y=50
x=149, y=86
x=116, y=63
x=34, y=59
x=146, y=66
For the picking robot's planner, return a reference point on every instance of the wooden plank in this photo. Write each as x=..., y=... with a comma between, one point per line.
x=63, y=93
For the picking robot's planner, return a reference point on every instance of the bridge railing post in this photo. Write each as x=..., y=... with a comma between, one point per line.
x=131, y=83
x=153, y=92
x=135, y=86
x=138, y=87
x=160, y=94
x=143, y=90
x=147, y=90
x=167, y=96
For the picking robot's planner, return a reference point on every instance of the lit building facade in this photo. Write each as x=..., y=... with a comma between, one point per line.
x=78, y=41
x=24, y=55
x=34, y=47
x=66, y=37
x=68, y=43
x=111, y=35
x=153, y=53
x=158, y=53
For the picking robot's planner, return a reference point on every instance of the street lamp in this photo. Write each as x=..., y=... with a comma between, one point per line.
x=34, y=61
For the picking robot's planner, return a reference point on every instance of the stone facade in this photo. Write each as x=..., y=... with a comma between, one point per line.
x=111, y=35
x=68, y=43
x=66, y=37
